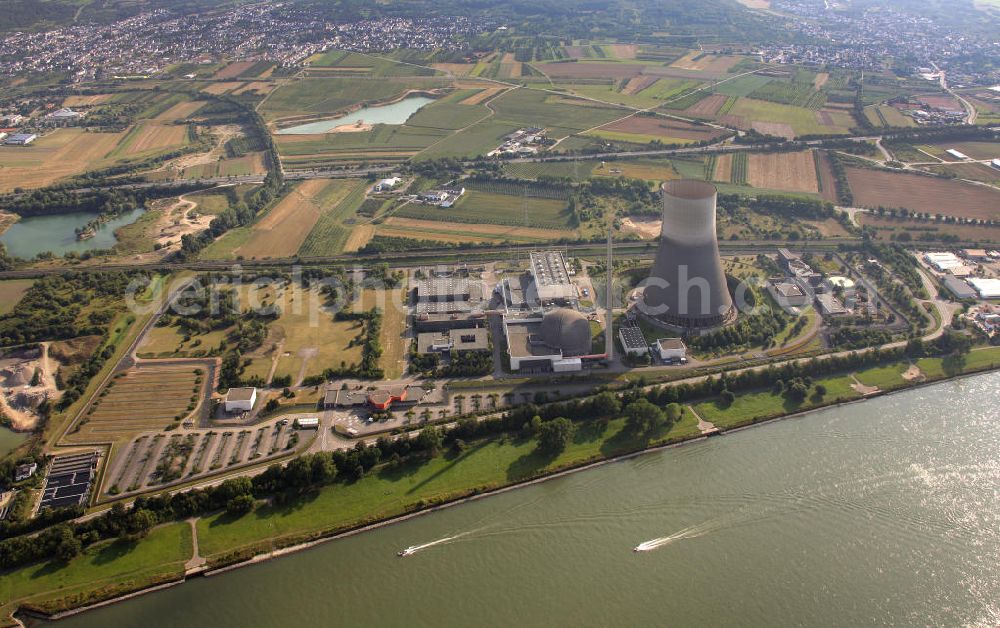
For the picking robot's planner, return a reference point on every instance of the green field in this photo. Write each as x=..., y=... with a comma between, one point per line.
x=102, y=571
x=331, y=231
x=486, y=464
x=330, y=95
x=447, y=116
x=803, y=121
x=489, y=208
x=357, y=63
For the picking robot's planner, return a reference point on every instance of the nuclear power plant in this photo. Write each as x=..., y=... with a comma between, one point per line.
x=687, y=286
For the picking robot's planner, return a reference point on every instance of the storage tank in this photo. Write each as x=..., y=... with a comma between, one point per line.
x=687, y=286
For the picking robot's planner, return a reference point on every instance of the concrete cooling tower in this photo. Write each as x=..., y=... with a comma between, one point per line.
x=687, y=287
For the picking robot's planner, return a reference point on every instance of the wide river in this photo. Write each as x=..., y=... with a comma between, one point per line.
x=884, y=512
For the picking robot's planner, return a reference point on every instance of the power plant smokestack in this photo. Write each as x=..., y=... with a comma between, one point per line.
x=687, y=287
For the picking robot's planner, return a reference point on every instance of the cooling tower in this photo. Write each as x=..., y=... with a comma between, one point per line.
x=687, y=287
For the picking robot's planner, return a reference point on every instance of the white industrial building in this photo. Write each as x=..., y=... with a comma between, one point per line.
x=20, y=139
x=671, y=349
x=551, y=277
x=387, y=184
x=240, y=399
x=957, y=155
x=987, y=288
x=943, y=262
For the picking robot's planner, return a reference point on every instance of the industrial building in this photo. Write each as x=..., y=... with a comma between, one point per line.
x=633, y=341
x=959, y=288
x=687, y=286
x=442, y=289
x=386, y=184
x=68, y=481
x=671, y=349
x=63, y=117
x=559, y=340
x=460, y=340
x=20, y=139
x=943, y=262
x=379, y=399
x=788, y=293
x=829, y=305
x=447, y=301
x=551, y=276
x=987, y=288
x=240, y=399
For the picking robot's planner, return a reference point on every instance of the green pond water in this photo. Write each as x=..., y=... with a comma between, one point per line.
x=878, y=513
x=395, y=113
x=32, y=235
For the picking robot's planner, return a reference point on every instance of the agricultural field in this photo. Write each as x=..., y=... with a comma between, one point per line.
x=888, y=228
x=794, y=172
x=328, y=96
x=11, y=292
x=344, y=63
x=58, y=155
x=491, y=207
x=887, y=116
x=148, y=138
x=970, y=171
x=645, y=129
x=705, y=62
x=144, y=398
x=576, y=170
x=287, y=225
x=786, y=120
x=647, y=169
x=465, y=233
x=975, y=150
x=332, y=230
x=874, y=188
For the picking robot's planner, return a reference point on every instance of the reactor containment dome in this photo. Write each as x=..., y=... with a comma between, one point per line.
x=687, y=286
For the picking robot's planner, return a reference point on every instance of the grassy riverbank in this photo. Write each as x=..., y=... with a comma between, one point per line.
x=103, y=571
x=388, y=492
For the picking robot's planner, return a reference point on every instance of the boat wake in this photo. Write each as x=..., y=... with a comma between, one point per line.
x=691, y=532
x=413, y=549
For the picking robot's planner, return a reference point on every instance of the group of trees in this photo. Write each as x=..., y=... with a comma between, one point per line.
x=55, y=305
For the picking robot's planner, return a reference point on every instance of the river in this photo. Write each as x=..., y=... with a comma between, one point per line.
x=55, y=233
x=883, y=512
x=394, y=113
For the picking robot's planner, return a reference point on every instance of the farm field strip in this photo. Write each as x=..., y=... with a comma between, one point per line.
x=874, y=188
x=795, y=172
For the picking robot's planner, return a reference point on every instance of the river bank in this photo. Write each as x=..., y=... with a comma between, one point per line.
x=856, y=501
x=277, y=544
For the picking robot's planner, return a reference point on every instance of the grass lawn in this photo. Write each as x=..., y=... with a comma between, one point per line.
x=101, y=571
x=754, y=406
x=11, y=292
x=395, y=345
x=486, y=464
x=883, y=377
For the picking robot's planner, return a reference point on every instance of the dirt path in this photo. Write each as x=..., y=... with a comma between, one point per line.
x=705, y=427
x=861, y=388
x=197, y=562
x=176, y=222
